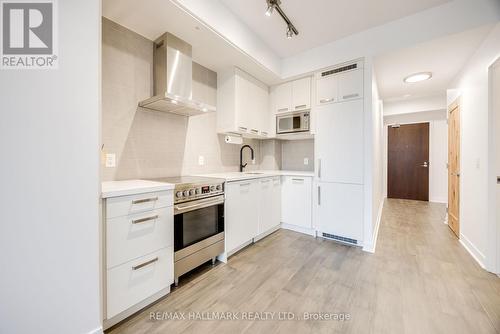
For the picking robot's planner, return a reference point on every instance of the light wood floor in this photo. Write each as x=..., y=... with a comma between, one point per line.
x=420, y=280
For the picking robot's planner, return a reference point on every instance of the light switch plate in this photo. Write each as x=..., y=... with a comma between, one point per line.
x=306, y=161
x=201, y=160
x=110, y=160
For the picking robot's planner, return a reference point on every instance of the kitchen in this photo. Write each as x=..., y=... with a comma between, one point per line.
x=237, y=158
x=211, y=166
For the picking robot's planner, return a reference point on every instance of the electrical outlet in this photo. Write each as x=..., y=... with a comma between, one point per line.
x=110, y=160
x=306, y=161
x=201, y=160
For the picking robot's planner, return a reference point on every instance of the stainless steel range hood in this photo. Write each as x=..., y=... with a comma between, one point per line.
x=173, y=76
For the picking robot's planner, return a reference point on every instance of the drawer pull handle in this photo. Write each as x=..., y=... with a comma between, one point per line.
x=326, y=100
x=254, y=130
x=142, y=265
x=282, y=109
x=145, y=200
x=350, y=96
x=242, y=128
x=143, y=220
x=298, y=180
x=301, y=106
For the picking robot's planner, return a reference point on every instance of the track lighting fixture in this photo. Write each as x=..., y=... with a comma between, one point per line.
x=275, y=4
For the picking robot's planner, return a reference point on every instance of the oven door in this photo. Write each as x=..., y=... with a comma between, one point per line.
x=198, y=220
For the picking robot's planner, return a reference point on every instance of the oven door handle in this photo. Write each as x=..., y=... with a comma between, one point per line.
x=200, y=204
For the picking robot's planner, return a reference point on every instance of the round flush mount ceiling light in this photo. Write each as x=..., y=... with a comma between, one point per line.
x=417, y=77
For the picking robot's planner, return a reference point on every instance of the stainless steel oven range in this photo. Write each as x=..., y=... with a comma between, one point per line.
x=198, y=221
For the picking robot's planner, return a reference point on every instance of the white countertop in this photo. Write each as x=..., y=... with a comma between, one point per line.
x=131, y=187
x=237, y=176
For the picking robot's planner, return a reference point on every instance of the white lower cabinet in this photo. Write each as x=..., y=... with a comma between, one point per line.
x=270, y=204
x=132, y=282
x=138, y=252
x=296, y=209
x=241, y=213
x=340, y=210
x=252, y=208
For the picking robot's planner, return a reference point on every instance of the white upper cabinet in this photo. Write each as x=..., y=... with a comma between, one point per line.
x=327, y=90
x=283, y=97
x=350, y=85
x=292, y=96
x=301, y=94
x=242, y=104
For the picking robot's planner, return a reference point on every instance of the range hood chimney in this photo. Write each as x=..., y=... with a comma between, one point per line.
x=173, y=75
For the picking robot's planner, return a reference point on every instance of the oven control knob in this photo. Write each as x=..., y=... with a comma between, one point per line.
x=192, y=192
x=219, y=187
x=198, y=191
x=186, y=193
x=178, y=194
x=212, y=188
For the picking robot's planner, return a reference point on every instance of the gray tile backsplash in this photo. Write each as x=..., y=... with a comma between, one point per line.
x=293, y=154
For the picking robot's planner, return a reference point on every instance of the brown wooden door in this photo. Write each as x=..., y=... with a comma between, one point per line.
x=408, y=162
x=454, y=167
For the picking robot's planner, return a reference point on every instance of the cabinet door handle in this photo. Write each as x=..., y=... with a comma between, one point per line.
x=319, y=168
x=326, y=100
x=254, y=130
x=143, y=220
x=144, y=200
x=242, y=128
x=282, y=109
x=301, y=106
x=142, y=265
x=319, y=195
x=350, y=96
x=298, y=180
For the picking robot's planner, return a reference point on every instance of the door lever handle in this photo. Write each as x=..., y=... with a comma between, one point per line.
x=424, y=165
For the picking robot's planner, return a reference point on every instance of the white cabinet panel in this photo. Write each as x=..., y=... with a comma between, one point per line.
x=124, y=205
x=339, y=142
x=327, y=90
x=340, y=210
x=132, y=236
x=301, y=94
x=350, y=85
x=270, y=204
x=242, y=212
x=296, y=194
x=283, y=97
x=134, y=281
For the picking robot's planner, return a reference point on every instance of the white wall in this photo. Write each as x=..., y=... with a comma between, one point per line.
x=412, y=105
x=49, y=143
x=438, y=149
x=472, y=85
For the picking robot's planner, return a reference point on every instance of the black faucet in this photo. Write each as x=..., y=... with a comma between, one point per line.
x=241, y=157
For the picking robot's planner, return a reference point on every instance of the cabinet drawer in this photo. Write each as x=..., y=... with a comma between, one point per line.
x=125, y=205
x=132, y=236
x=134, y=281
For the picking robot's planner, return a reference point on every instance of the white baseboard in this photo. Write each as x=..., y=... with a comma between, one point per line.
x=439, y=200
x=370, y=246
x=96, y=331
x=300, y=229
x=473, y=251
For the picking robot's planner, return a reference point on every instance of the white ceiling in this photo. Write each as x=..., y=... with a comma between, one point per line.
x=444, y=57
x=152, y=18
x=321, y=21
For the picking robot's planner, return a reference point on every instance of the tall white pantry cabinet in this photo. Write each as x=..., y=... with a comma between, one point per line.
x=339, y=153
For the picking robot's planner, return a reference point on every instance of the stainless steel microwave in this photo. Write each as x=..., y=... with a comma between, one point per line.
x=292, y=122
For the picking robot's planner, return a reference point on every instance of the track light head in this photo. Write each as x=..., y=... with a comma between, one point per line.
x=270, y=9
x=289, y=32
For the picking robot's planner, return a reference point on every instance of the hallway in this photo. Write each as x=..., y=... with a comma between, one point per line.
x=420, y=280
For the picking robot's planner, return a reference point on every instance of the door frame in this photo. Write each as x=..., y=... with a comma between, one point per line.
x=493, y=257
x=457, y=102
